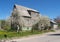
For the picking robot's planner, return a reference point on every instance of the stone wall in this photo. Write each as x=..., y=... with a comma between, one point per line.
x=26, y=19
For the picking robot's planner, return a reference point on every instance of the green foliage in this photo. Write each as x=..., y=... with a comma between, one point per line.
x=5, y=25
x=35, y=26
x=47, y=28
x=59, y=24
x=20, y=34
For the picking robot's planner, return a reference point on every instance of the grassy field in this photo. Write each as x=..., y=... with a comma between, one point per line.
x=20, y=34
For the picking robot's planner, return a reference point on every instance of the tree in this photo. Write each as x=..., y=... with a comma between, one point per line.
x=5, y=25
x=57, y=19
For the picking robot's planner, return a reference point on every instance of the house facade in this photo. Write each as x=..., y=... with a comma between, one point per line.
x=24, y=18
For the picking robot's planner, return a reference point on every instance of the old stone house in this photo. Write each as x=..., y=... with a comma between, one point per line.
x=24, y=18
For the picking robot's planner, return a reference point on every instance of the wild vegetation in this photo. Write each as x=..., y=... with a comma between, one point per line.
x=19, y=34
x=6, y=31
x=5, y=25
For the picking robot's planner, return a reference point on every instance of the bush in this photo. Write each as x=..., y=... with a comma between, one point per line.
x=5, y=25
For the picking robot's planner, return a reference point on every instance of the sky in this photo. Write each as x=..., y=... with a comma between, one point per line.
x=50, y=8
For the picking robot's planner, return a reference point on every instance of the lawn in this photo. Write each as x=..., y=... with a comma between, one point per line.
x=20, y=34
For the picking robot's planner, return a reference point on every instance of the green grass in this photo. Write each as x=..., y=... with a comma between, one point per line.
x=52, y=30
x=20, y=34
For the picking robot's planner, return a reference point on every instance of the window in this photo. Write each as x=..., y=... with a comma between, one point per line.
x=29, y=12
x=14, y=6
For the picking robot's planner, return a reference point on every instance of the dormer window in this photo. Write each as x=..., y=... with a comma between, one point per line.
x=33, y=13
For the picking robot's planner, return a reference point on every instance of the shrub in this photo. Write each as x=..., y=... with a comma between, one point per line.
x=5, y=25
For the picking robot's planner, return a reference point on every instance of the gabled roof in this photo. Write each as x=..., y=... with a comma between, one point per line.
x=23, y=11
x=52, y=21
x=19, y=6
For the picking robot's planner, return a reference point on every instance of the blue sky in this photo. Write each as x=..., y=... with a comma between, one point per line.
x=50, y=8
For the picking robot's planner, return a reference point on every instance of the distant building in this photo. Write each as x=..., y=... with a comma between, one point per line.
x=53, y=24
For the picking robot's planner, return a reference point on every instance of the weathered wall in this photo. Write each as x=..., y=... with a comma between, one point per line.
x=26, y=28
x=23, y=18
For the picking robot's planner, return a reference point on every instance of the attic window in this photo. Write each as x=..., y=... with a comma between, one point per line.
x=29, y=12
x=14, y=6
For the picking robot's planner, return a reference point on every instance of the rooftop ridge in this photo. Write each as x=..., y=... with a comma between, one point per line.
x=26, y=7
